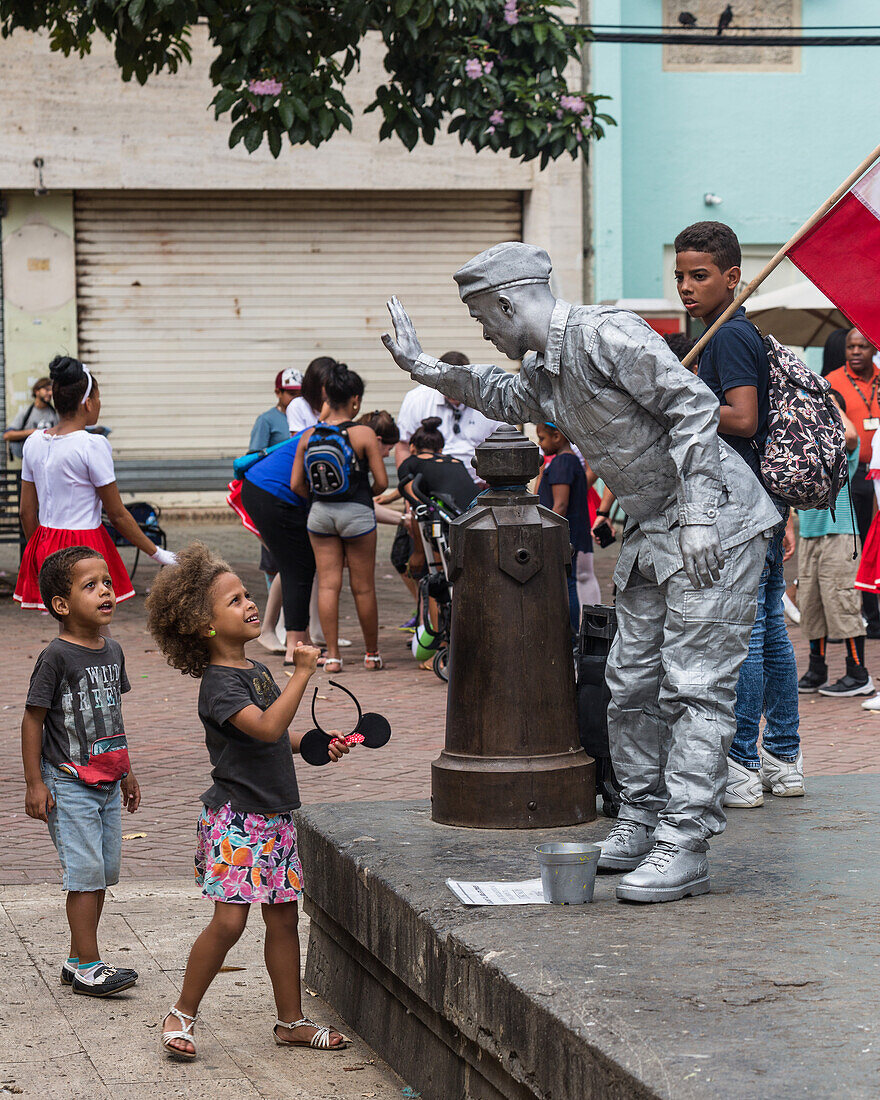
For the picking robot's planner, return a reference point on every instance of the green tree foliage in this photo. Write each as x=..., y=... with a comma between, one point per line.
x=492, y=71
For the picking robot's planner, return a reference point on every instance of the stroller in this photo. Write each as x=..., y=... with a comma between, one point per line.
x=433, y=515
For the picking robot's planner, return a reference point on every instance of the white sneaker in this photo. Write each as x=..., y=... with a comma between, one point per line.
x=790, y=608
x=779, y=777
x=872, y=704
x=744, y=789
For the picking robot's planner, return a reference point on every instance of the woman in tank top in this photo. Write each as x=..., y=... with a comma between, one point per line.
x=332, y=468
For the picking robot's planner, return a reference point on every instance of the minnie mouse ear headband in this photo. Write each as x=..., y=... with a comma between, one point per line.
x=372, y=730
x=91, y=380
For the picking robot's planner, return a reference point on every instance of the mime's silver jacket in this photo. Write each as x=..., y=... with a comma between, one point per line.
x=647, y=426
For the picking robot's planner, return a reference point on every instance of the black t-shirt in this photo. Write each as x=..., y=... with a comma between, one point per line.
x=565, y=469
x=81, y=689
x=442, y=476
x=735, y=356
x=252, y=776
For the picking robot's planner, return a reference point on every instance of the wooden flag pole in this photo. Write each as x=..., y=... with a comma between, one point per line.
x=693, y=354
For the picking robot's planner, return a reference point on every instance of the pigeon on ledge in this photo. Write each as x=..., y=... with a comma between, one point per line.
x=725, y=19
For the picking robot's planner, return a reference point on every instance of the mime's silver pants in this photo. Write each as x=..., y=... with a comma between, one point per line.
x=672, y=672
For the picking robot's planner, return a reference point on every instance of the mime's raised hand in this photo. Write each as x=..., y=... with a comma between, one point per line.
x=404, y=345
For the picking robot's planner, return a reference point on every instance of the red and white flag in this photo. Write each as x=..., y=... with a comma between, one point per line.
x=841, y=255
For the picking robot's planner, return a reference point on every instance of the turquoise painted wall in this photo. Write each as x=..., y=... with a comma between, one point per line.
x=772, y=145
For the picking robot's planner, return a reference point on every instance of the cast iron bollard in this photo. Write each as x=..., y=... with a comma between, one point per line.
x=512, y=758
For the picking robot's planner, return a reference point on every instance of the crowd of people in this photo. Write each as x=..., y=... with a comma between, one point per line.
x=312, y=533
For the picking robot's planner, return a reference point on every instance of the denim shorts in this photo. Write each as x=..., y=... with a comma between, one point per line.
x=86, y=829
x=348, y=519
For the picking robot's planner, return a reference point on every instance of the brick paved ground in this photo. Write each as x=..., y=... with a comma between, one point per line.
x=167, y=742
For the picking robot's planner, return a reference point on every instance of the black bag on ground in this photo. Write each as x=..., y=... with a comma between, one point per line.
x=598, y=627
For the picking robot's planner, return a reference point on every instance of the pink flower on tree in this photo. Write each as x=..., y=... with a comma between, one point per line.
x=488, y=66
x=511, y=15
x=587, y=122
x=496, y=118
x=473, y=68
x=573, y=103
x=265, y=87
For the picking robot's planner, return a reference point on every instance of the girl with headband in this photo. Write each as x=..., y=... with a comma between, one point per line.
x=67, y=476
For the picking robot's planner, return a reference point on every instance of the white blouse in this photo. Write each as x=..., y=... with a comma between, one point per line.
x=66, y=470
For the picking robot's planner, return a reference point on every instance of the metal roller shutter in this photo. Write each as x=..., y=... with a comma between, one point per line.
x=190, y=303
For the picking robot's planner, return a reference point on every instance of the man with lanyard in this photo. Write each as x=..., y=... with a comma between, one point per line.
x=858, y=380
x=463, y=429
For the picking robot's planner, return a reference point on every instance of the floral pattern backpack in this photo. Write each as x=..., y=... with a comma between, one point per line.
x=804, y=460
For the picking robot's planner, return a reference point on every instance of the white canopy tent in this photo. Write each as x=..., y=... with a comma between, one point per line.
x=799, y=315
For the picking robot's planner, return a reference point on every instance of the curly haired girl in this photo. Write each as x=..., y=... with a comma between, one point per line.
x=201, y=617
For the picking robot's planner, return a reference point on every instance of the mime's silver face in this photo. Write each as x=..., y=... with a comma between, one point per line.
x=502, y=326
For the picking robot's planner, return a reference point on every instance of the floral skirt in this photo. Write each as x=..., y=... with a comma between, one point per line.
x=247, y=858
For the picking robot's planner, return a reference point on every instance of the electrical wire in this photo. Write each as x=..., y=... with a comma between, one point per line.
x=679, y=27
x=744, y=41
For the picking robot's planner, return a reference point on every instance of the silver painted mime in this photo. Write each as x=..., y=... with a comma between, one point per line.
x=696, y=532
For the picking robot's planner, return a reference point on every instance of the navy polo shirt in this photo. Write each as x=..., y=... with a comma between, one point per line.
x=735, y=356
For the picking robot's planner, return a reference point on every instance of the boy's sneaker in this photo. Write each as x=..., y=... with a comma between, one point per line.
x=103, y=980
x=856, y=682
x=814, y=678
x=872, y=704
x=68, y=973
x=744, y=789
x=783, y=778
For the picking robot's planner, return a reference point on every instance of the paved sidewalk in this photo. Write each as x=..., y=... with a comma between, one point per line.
x=167, y=741
x=56, y=1045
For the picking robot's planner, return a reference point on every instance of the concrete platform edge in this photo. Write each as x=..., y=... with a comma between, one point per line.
x=449, y=1022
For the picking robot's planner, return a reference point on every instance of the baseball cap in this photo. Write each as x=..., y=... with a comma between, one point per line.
x=290, y=380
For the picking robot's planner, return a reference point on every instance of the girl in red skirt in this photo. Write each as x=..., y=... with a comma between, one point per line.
x=66, y=476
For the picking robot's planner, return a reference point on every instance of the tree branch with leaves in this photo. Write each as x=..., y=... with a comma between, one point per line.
x=492, y=71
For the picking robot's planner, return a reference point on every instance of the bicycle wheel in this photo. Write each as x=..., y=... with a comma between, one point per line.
x=441, y=664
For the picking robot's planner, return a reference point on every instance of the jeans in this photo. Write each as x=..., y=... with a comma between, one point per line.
x=768, y=678
x=86, y=829
x=574, y=607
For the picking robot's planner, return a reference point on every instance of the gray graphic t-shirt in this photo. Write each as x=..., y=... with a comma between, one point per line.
x=82, y=690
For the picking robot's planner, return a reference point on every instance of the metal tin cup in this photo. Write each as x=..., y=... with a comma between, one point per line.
x=568, y=872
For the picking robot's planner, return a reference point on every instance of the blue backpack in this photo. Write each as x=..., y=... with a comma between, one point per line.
x=330, y=462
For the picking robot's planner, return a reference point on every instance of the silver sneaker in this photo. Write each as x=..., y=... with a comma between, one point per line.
x=667, y=873
x=625, y=846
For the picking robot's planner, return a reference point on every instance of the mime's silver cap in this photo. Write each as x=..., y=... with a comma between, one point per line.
x=511, y=263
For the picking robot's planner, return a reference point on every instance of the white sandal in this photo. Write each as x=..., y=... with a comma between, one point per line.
x=186, y=1034
x=373, y=662
x=319, y=1041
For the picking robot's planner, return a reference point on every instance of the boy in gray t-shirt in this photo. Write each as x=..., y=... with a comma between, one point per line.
x=75, y=754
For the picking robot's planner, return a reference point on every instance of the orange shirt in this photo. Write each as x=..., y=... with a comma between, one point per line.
x=861, y=397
